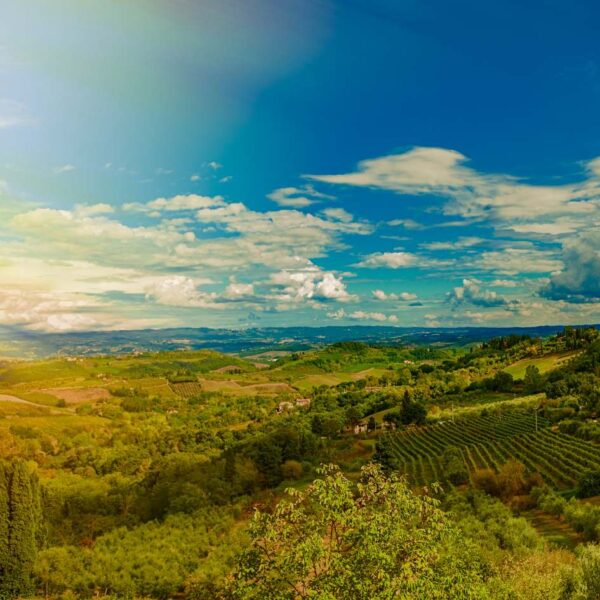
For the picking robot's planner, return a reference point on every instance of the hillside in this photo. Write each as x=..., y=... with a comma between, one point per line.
x=161, y=458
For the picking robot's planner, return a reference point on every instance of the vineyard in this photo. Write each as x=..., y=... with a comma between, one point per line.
x=487, y=443
x=187, y=389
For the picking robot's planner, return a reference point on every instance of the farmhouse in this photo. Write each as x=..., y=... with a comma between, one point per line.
x=284, y=406
x=360, y=427
x=303, y=402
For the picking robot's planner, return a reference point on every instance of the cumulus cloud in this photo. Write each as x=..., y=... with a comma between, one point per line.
x=310, y=284
x=179, y=290
x=239, y=291
x=471, y=293
x=579, y=279
x=405, y=296
x=45, y=311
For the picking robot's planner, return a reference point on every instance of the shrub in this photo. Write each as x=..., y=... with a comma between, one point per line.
x=589, y=484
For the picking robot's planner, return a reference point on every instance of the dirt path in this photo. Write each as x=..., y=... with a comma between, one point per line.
x=15, y=400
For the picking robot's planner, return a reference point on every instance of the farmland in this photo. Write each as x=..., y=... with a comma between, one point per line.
x=155, y=446
x=487, y=443
x=543, y=363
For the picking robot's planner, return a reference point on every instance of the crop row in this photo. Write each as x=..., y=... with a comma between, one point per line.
x=187, y=389
x=560, y=459
x=435, y=439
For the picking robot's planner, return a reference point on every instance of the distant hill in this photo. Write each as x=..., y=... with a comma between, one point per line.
x=26, y=344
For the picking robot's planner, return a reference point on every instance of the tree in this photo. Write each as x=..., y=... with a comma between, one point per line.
x=486, y=480
x=454, y=466
x=375, y=541
x=372, y=424
x=533, y=380
x=20, y=526
x=353, y=415
x=511, y=478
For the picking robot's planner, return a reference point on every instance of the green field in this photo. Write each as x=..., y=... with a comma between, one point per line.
x=543, y=363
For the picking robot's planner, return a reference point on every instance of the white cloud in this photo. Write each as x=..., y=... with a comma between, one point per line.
x=513, y=261
x=579, y=278
x=178, y=290
x=214, y=165
x=64, y=169
x=471, y=293
x=405, y=296
x=460, y=244
x=239, y=291
x=472, y=194
x=310, y=284
x=406, y=223
x=195, y=177
x=297, y=197
x=392, y=260
x=338, y=214
x=90, y=210
x=400, y=260
x=360, y=315
x=179, y=203
x=507, y=283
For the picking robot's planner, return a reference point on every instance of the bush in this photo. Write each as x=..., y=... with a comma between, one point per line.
x=291, y=469
x=487, y=481
x=589, y=484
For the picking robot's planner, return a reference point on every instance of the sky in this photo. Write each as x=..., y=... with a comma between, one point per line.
x=254, y=163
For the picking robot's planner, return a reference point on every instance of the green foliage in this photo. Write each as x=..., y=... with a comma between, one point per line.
x=454, y=466
x=589, y=484
x=153, y=560
x=376, y=541
x=20, y=527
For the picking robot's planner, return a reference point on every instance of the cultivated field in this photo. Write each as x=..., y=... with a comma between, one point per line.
x=487, y=443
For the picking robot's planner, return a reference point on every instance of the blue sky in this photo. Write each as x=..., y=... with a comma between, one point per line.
x=299, y=162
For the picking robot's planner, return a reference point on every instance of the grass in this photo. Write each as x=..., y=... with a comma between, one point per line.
x=543, y=363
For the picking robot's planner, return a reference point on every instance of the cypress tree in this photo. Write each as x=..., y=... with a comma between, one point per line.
x=4, y=526
x=20, y=518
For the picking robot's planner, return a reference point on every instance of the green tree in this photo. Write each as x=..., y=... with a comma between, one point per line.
x=20, y=527
x=375, y=541
x=533, y=380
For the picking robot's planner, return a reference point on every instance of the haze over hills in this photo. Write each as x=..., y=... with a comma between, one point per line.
x=18, y=343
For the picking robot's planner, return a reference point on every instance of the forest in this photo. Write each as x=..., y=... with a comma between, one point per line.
x=353, y=470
